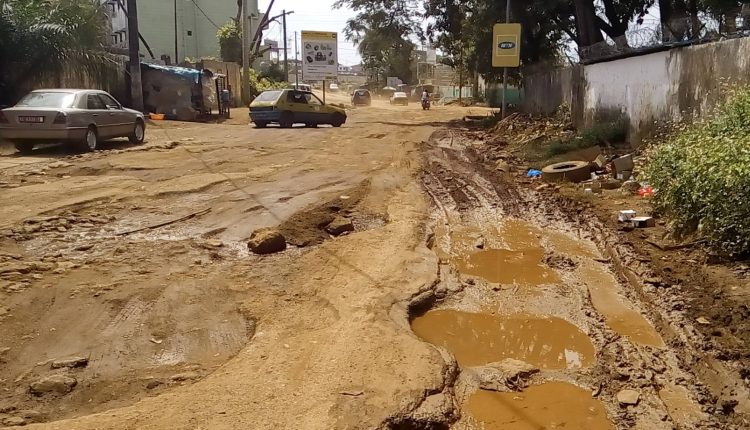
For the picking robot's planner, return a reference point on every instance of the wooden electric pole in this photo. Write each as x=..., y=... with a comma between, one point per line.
x=286, y=56
x=136, y=86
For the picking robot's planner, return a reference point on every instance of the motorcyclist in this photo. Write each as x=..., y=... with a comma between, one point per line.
x=425, y=96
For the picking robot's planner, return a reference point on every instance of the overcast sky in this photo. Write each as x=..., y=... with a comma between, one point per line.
x=312, y=15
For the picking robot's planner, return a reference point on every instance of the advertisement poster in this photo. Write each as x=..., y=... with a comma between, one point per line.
x=507, y=45
x=320, y=55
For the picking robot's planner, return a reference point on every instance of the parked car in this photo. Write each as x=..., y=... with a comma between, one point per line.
x=399, y=98
x=289, y=107
x=334, y=87
x=361, y=97
x=79, y=117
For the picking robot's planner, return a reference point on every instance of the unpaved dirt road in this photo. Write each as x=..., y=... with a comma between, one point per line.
x=129, y=300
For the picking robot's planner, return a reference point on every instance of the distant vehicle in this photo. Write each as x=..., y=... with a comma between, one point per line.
x=79, y=117
x=361, y=97
x=289, y=107
x=334, y=87
x=399, y=98
x=426, y=104
x=302, y=87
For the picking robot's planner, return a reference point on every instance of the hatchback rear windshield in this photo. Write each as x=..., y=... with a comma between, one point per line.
x=50, y=100
x=268, y=96
x=362, y=93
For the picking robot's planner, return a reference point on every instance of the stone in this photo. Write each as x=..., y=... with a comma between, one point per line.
x=84, y=247
x=60, y=384
x=703, y=321
x=266, y=241
x=72, y=363
x=185, y=376
x=212, y=244
x=15, y=267
x=31, y=415
x=502, y=166
x=339, y=226
x=508, y=373
x=153, y=384
x=628, y=397
x=14, y=421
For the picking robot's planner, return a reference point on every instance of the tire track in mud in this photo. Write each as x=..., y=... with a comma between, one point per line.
x=467, y=197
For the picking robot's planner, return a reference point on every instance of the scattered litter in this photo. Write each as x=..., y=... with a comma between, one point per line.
x=703, y=321
x=643, y=222
x=623, y=164
x=352, y=393
x=156, y=341
x=533, y=173
x=626, y=215
x=646, y=191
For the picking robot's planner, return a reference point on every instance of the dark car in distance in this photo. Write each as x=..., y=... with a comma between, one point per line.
x=361, y=97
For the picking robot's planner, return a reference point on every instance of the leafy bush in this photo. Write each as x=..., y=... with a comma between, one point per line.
x=702, y=176
x=230, y=42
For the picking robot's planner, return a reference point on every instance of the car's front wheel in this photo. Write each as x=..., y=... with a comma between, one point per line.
x=24, y=147
x=286, y=120
x=338, y=120
x=90, y=141
x=139, y=133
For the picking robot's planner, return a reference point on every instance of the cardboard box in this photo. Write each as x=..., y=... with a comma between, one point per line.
x=626, y=215
x=623, y=164
x=643, y=222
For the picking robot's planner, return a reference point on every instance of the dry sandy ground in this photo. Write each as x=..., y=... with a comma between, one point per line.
x=134, y=260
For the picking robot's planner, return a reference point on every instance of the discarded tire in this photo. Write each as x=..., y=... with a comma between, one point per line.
x=570, y=171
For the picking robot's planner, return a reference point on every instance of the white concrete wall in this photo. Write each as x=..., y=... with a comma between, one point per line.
x=641, y=88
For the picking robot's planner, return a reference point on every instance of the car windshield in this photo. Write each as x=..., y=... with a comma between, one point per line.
x=399, y=95
x=361, y=93
x=48, y=99
x=268, y=96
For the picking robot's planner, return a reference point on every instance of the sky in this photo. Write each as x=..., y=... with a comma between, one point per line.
x=312, y=15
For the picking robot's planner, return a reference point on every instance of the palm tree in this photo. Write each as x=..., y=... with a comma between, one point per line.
x=41, y=41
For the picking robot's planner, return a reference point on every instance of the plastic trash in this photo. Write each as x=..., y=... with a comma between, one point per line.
x=533, y=173
x=646, y=191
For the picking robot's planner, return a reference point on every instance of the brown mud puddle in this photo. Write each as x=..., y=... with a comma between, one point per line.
x=620, y=317
x=554, y=405
x=511, y=254
x=502, y=266
x=478, y=339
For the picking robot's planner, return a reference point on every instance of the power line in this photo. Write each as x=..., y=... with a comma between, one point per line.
x=204, y=14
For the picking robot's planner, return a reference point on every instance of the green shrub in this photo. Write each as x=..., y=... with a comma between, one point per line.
x=702, y=177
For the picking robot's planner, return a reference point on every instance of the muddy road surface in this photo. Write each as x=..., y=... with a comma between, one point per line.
x=129, y=299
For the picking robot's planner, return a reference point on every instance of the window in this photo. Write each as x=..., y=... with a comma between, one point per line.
x=48, y=99
x=313, y=100
x=94, y=102
x=190, y=33
x=268, y=96
x=296, y=97
x=109, y=102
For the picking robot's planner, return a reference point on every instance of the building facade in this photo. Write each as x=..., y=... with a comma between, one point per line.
x=198, y=21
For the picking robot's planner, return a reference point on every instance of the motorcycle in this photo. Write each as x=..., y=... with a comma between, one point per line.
x=426, y=104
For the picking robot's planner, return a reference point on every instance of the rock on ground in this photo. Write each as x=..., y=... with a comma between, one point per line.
x=339, y=226
x=502, y=375
x=73, y=362
x=53, y=384
x=628, y=397
x=266, y=241
x=14, y=421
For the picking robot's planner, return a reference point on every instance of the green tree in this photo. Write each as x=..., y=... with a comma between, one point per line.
x=383, y=32
x=230, y=42
x=40, y=39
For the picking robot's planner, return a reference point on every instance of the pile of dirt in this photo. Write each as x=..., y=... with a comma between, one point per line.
x=522, y=129
x=308, y=227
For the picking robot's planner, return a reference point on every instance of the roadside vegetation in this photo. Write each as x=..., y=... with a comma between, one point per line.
x=40, y=40
x=702, y=177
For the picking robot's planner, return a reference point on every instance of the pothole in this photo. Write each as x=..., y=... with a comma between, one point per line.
x=553, y=405
x=502, y=266
x=476, y=339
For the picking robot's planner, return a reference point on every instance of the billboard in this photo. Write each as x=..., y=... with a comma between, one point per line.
x=431, y=56
x=320, y=55
x=506, y=46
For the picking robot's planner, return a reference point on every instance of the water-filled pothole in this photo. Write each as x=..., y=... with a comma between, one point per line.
x=478, y=339
x=554, y=405
x=620, y=317
x=504, y=266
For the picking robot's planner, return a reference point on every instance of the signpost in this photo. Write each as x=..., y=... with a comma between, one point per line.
x=506, y=50
x=320, y=56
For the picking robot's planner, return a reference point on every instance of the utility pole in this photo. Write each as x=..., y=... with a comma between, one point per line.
x=245, y=53
x=296, y=62
x=136, y=86
x=505, y=69
x=176, y=52
x=286, y=59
